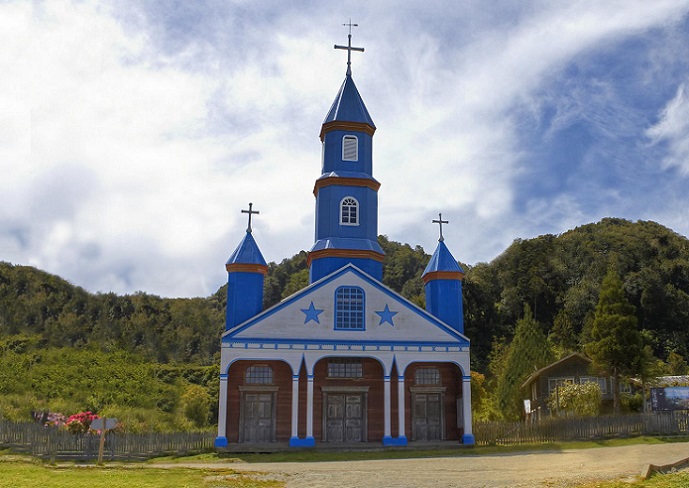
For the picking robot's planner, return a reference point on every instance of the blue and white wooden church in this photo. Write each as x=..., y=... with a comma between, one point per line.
x=346, y=359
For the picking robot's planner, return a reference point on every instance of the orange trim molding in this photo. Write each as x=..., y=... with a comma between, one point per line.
x=246, y=268
x=343, y=125
x=343, y=253
x=443, y=275
x=335, y=180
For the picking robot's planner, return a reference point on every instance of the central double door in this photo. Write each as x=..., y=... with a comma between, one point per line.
x=344, y=417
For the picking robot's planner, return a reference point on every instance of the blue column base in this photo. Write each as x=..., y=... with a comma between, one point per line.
x=395, y=441
x=221, y=441
x=305, y=442
x=468, y=439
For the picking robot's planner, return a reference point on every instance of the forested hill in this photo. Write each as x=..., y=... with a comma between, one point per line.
x=558, y=276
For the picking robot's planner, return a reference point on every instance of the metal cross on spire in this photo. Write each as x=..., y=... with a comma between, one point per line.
x=440, y=222
x=250, y=212
x=349, y=47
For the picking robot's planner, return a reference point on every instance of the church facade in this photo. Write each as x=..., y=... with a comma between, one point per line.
x=346, y=359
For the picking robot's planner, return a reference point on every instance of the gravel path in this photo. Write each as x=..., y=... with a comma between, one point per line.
x=551, y=469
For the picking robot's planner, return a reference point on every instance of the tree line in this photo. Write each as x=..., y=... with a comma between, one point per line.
x=552, y=283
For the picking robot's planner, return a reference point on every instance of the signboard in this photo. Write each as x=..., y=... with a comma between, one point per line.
x=670, y=398
x=527, y=406
x=97, y=424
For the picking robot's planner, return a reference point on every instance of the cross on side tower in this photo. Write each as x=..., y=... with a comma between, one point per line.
x=349, y=47
x=440, y=222
x=250, y=212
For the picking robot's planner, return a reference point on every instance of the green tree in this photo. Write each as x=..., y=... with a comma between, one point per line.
x=196, y=403
x=616, y=345
x=528, y=352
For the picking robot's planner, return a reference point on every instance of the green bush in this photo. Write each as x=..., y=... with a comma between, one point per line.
x=579, y=400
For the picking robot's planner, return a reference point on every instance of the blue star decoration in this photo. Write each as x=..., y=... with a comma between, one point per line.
x=311, y=313
x=386, y=316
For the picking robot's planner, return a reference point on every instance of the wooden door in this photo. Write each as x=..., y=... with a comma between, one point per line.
x=344, y=420
x=258, y=418
x=427, y=419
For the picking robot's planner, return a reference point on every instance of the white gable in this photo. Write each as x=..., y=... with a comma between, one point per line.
x=309, y=316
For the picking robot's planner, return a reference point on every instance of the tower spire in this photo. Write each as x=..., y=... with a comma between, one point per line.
x=349, y=47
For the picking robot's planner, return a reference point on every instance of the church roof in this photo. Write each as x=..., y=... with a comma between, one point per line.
x=442, y=260
x=349, y=106
x=247, y=252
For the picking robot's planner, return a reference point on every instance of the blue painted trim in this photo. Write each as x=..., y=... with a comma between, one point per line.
x=468, y=439
x=327, y=279
x=466, y=378
x=304, y=341
x=395, y=441
x=223, y=376
x=305, y=442
x=221, y=441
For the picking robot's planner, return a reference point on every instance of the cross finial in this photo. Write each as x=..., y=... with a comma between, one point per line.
x=250, y=212
x=440, y=222
x=349, y=47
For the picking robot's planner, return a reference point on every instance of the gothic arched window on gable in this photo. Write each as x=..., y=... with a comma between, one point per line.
x=350, y=148
x=349, y=308
x=349, y=211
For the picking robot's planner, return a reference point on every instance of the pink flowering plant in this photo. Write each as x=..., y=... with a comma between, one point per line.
x=79, y=423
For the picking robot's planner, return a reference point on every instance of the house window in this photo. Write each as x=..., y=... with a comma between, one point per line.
x=349, y=211
x=349, y=308
x=258, y=375
x=593, y=379
x=427, y=376
x=350, y=148
x=554, y=383
x=344, y=368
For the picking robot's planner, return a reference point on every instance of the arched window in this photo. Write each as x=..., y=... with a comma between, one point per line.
x=258, y=375
x=349, y=211
x=427, y=376
x=350, y=148
x=349, y=308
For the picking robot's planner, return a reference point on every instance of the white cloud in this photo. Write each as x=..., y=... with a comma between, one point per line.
x=672, y=129
x=130, y=140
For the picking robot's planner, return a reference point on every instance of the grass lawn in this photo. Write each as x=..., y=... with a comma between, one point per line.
x=673, y=480
x=24, y=472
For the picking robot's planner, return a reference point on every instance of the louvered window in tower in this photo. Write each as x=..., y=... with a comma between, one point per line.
x=349, y=211
x=350, y=148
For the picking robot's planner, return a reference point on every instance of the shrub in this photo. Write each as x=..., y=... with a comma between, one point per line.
x=580, y=400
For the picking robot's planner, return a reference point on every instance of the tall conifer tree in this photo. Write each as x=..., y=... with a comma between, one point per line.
x=528, y=352
x=616, y=345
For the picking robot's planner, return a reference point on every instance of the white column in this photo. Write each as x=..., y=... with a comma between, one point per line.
x=309, y=406
x=221, y=440
x=295, y=406
x=386, y=407
x=468, y=437
x=400, y=406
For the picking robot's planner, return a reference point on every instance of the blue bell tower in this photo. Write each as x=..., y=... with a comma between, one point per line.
x=443, y=284
x=346, y=192
x=246, y=270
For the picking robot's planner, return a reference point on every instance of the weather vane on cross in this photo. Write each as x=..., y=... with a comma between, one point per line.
x=349, y=47
x=250, y=212
x=440, y=223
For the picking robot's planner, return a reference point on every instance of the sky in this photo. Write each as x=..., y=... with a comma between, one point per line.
x=133, y=132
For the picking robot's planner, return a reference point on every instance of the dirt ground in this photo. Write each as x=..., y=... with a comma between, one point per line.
x=529, y=469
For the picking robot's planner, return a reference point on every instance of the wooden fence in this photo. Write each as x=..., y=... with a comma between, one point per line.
x=577, y=429
x=58, y=444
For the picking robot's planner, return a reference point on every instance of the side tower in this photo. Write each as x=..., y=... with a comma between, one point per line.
x=246, y=270
x=443, y=284
x=346, y=192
